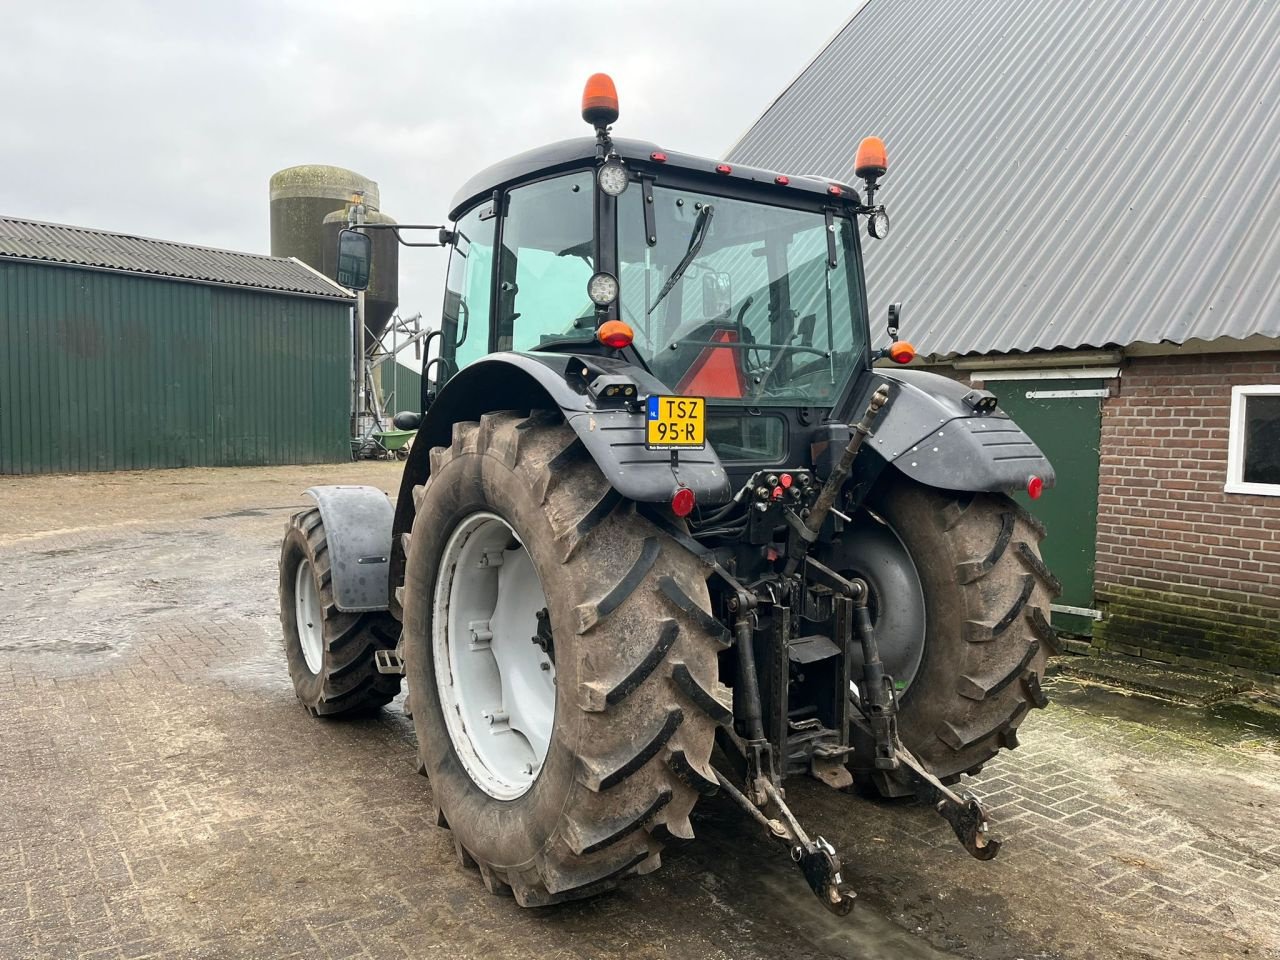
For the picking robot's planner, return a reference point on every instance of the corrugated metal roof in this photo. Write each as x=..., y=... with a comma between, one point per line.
x=79, y=246
x=1061, y=174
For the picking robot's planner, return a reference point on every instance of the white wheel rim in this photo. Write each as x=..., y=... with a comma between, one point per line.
x=497, y=687
x=309, y=616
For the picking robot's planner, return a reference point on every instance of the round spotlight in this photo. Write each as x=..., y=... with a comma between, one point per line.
x=612, y=178
x=878, y=224
x=602, y=289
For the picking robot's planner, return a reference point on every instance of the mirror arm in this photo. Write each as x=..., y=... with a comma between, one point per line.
x=446, y=235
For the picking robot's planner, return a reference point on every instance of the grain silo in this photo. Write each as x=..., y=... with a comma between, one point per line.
x=306, y=198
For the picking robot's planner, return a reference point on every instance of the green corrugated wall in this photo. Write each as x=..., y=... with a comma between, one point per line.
x=114, y=371
x=401, y=387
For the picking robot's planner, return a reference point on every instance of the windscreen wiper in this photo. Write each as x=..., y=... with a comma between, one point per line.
x=700, y=227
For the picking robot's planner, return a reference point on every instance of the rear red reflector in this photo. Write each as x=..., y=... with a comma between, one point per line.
x=1035, y=487
x=723, y=168
x=658, y=157
x=682, y=502
x=782, y=179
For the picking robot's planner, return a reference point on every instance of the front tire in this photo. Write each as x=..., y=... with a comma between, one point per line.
x=330, y=653
x=633, y=655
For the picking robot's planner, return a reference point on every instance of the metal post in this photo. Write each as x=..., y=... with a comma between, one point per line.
x=359, y=371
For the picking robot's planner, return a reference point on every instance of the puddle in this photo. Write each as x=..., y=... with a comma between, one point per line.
x=1248, y=717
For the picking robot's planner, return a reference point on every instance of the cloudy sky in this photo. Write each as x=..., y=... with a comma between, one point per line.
x=167, y=117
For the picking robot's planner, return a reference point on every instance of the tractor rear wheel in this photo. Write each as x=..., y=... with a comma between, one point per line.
x=966, y=567
x=560, y=656
x=330, y=653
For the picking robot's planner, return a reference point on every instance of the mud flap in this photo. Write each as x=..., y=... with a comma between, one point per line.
x=357, y=523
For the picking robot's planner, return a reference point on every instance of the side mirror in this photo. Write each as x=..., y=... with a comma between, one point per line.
x=355, y=252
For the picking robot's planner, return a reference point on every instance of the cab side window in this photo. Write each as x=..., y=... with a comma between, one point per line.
x=546, y=262
x=468, y=291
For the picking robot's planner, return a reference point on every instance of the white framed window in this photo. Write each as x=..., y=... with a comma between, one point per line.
x=1253, y=445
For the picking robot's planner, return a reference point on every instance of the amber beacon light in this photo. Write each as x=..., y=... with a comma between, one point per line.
x=599, y=100
x=872, y=161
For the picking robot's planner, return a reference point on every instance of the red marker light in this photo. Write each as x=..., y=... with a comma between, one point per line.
x=834, y=190
x=1035, y=487
x=723, y=168
x=658, y=157
x=901, y=352
x=616, y=334
x=682, y=502
x=782, y=179
x=785, y=480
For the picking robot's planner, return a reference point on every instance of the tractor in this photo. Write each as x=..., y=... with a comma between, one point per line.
x=667, y=529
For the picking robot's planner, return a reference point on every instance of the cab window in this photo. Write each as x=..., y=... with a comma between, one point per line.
x=468, y=291
x=546, y=263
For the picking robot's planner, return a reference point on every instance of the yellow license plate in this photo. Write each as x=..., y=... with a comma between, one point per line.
x=676, y=423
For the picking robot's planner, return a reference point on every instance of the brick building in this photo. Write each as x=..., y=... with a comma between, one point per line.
x=1188, y=558
x=1085, y=217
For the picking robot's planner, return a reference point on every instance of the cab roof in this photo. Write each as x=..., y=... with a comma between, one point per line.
x=581, y=151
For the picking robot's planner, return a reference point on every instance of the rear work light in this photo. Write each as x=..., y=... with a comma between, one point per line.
x=1035, y=487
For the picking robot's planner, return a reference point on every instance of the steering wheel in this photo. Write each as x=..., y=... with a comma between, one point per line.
x=771, y=347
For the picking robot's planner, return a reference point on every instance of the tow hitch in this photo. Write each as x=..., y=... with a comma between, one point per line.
x=817, y=859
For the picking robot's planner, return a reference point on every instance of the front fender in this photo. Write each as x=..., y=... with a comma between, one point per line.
x=357, y=528
x=928, y=432
x=547, y=381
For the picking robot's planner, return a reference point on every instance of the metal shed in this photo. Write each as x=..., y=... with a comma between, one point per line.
x=120, y=352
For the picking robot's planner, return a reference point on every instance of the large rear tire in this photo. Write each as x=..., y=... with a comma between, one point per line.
x=985, y=595
x=631, y=665
x=330, y=653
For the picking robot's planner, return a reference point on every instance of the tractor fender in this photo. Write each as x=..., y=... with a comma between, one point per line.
x=613, y=435
x=357, y=524
x=931, y=431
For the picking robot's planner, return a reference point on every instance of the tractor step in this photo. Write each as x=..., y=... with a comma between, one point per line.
x=389, y=661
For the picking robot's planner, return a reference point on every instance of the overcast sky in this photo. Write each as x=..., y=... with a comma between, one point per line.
x=167, y=117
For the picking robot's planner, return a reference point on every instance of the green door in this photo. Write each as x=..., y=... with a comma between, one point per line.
x=1064, y=417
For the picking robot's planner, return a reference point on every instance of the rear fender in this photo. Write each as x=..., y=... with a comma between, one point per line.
x=357, y=527
x=613, y=436
x=931, y=433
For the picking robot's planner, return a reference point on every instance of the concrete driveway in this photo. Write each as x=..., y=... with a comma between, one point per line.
x=162, y=794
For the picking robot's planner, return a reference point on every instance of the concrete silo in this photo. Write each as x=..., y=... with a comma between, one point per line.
x=306, y=198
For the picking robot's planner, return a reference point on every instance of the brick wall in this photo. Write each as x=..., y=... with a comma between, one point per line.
x=1185, y=571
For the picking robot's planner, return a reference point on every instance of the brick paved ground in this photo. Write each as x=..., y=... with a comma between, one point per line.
x=162, y=794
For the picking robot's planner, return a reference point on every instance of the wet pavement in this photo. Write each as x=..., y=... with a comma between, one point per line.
x=162, y=793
